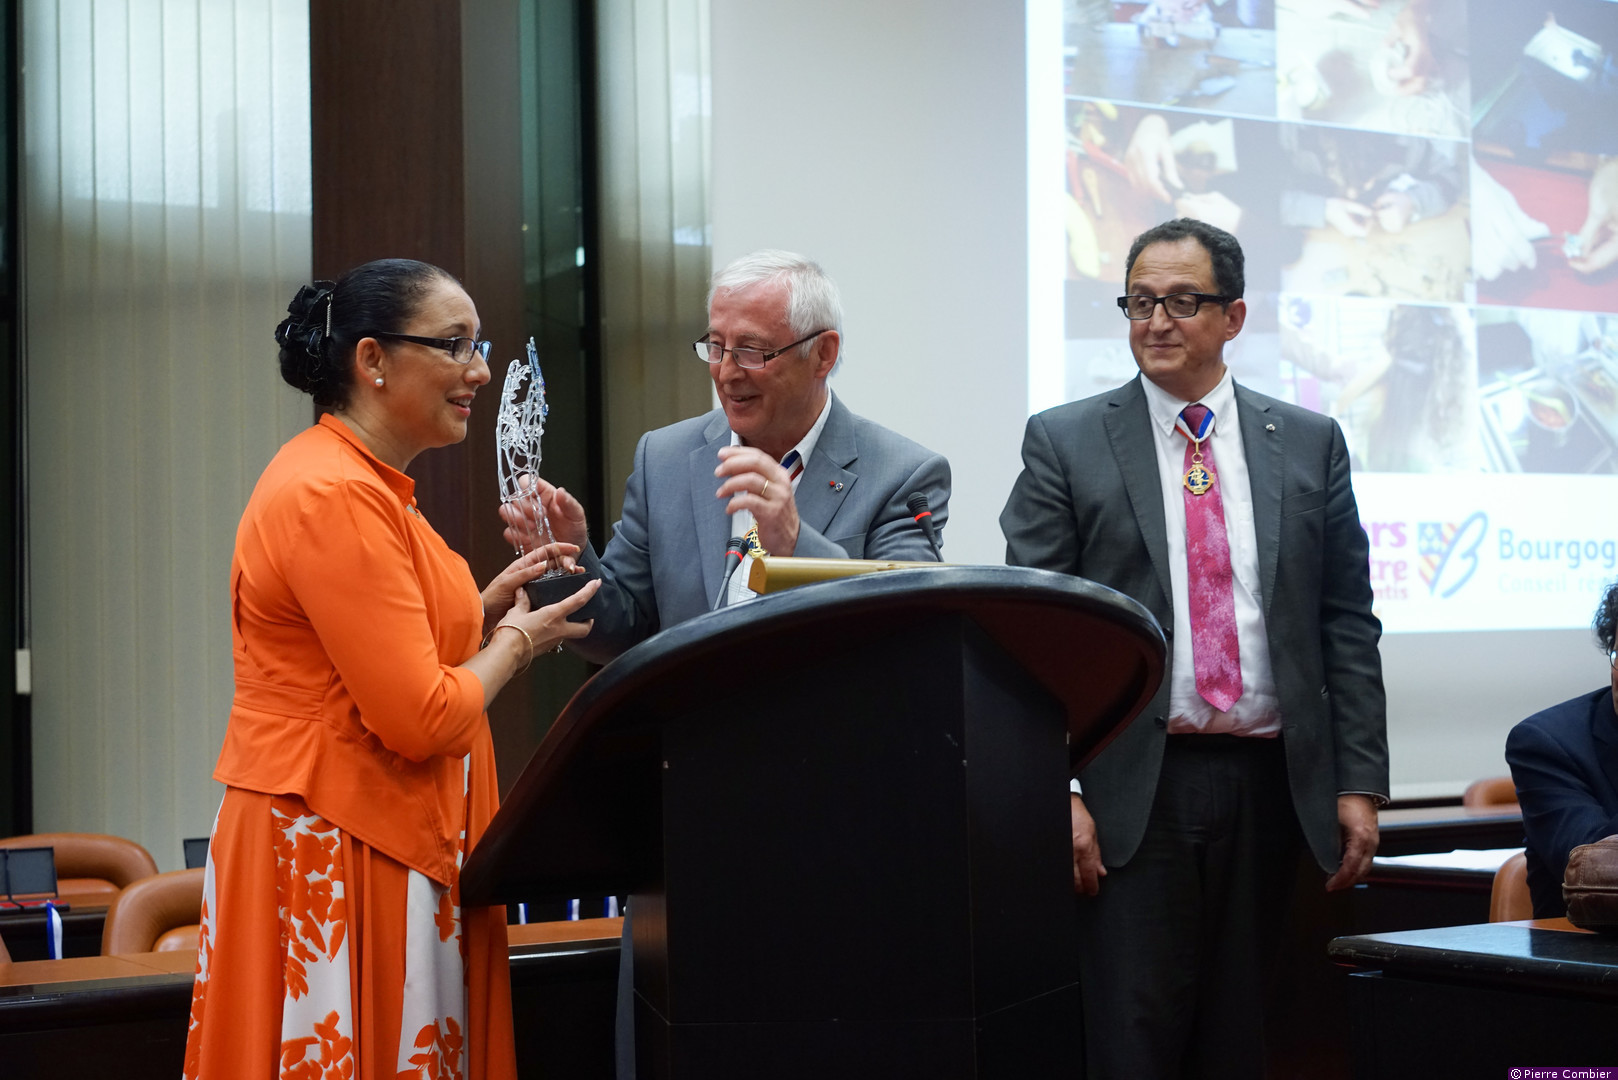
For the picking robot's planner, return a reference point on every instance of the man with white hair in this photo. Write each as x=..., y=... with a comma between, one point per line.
x=781, y=463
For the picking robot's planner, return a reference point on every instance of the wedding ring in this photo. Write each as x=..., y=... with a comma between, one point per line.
x=764, y=489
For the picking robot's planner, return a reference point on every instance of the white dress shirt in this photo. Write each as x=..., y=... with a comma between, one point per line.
x=1257, y=712
x=742, y=520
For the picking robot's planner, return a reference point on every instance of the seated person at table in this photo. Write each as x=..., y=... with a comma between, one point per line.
x=1565, y=764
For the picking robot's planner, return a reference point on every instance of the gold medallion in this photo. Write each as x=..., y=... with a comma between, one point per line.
x=754, y=548
x=1198, y=480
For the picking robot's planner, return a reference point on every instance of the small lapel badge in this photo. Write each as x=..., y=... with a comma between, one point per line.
x=835, y=485
x=1269, y=427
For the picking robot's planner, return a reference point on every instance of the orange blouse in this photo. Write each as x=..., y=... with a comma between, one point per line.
x=350, y=616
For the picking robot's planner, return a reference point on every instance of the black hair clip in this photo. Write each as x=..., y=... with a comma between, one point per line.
x=303, y=310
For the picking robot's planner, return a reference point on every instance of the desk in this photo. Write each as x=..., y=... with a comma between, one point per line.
x=126, y=1016
x=1476, y=1000
x=1309, y=1037
x=24, y=932
x=1444, y=828
x=1412, y=897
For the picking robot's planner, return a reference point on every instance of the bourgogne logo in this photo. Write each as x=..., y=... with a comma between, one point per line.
x=1449, y=552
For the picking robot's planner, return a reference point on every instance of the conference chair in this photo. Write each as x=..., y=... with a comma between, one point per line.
x=160, y=913
x=1490, y=791
x=90, y=867
x=1509, y=899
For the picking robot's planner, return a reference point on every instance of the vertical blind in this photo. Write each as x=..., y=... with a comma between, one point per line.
x=655, y=235
x=166, y=207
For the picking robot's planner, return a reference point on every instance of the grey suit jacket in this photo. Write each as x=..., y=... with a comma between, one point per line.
x=666, y=558
x=1089, y=503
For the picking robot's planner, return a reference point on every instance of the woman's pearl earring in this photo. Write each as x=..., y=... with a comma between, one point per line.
x=377, y=380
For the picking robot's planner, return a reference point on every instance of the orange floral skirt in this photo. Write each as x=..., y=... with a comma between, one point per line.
x=323, y=959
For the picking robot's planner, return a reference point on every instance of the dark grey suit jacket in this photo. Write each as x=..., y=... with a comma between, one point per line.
x=666, y=558
x=1089, y=503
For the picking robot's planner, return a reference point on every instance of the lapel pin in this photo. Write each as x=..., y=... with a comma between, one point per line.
x=1269, y=427
x=835, y=485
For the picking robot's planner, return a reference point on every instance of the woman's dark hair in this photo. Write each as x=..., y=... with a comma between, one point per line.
x=1425, y=386
x=1606, y=622
x=327, y=319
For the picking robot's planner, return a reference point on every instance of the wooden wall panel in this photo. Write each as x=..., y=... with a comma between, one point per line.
x=416, y=147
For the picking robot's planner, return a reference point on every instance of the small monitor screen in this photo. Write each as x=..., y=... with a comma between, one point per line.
x=30, y=872
x=196, y=852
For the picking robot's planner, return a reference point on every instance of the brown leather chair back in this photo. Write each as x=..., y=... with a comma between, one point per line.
x=1490, y=791
x=156, y=914
x=1509, y=899
x=91, y=867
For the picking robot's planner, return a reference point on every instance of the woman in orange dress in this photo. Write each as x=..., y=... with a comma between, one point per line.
x=358, y=761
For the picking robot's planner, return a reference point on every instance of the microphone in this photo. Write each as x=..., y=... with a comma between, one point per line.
x=736, y=546
x=924, y=517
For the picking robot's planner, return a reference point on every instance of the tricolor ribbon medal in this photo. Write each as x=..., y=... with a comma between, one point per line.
x=1198, y=480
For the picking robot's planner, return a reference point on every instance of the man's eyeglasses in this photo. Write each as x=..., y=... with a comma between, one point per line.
x=752, y=359
x=1180, y=305
x=460, y=349
x=1612, y=658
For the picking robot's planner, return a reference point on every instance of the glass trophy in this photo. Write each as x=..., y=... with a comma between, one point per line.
x=517, y=435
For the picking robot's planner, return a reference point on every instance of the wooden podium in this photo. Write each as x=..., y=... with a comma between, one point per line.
x=841, y=812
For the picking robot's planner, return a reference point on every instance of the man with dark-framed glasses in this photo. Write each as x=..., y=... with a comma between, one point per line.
x=781, y=464
x=1231, y=517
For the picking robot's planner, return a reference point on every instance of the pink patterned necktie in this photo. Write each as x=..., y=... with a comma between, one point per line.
x=1207, y=554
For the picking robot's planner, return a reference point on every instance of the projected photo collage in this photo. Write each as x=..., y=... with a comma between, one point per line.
x=1426, y=192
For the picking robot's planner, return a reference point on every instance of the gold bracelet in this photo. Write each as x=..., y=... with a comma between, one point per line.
x=526, y=637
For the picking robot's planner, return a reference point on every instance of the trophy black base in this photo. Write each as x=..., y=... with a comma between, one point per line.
x=545, y=591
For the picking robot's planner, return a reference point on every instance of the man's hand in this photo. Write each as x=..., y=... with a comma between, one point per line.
x=1357, y=816
x=755, y=482
x=562, y=510
x=1598, y=239
x=1394, y=210
x=1150, y=159
x=1348, y=217
x=1087, y=868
